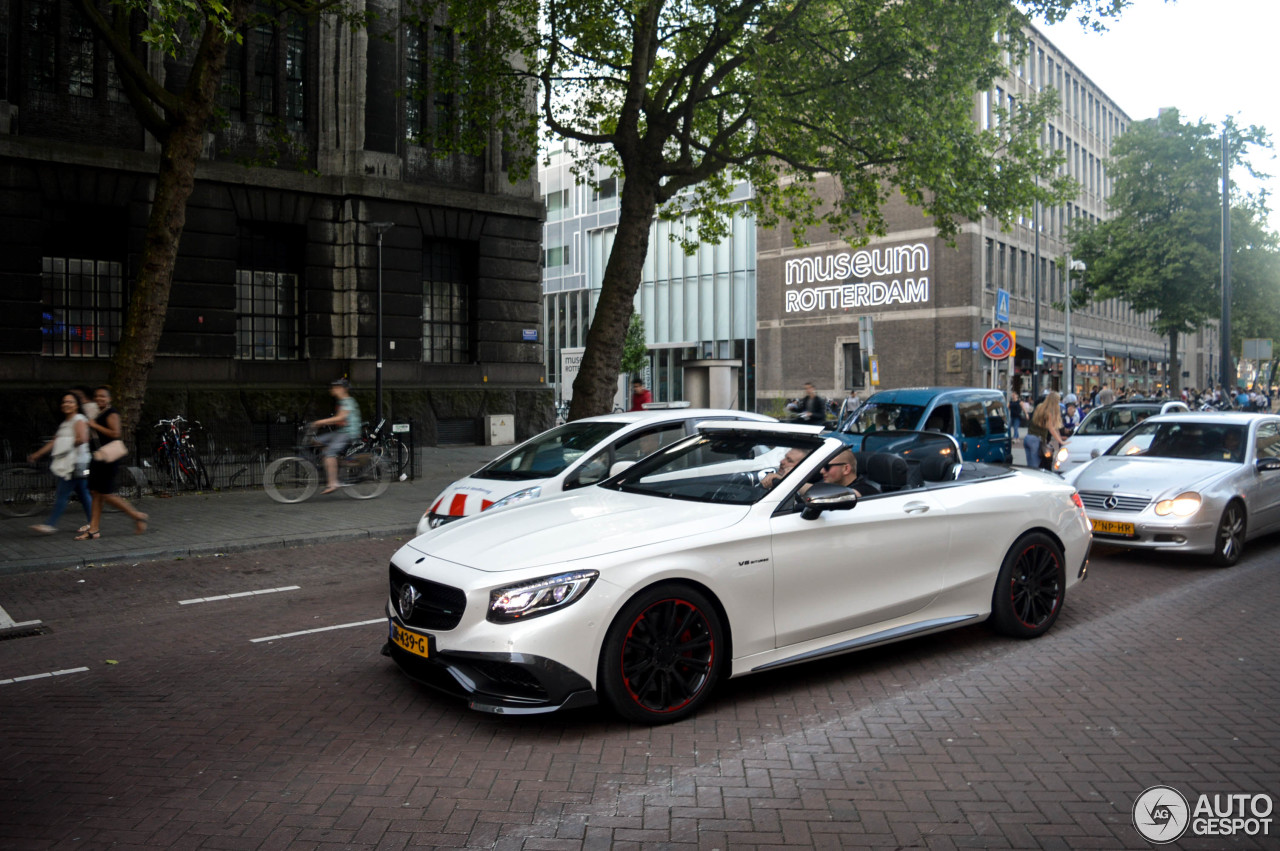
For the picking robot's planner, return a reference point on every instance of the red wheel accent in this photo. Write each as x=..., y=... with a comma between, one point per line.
x=667, y=655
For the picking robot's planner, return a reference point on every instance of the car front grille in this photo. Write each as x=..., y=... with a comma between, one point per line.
x=439, y=607
x=1096, y=501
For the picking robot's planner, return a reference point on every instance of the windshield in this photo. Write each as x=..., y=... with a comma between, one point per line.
x=882, y=416
x=1196, y=441
x=725, y=467
x=549, y=453
x=1111, y=420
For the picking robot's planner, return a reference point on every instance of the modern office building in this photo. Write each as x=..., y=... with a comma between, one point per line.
x=281, y=282
x=698, y=309
x=916, y=309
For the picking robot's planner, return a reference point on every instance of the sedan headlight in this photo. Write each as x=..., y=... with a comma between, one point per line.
x=1182, y=505
x=1062, y=454
x=519, y=496
x=539, y=596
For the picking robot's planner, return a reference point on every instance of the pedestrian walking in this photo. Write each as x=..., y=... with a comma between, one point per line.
x=70, y=463
x=1015, y=415
x=1044, y=433
x=102, y=473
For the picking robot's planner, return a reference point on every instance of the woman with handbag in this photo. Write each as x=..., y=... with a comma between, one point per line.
x=70, y=451
x=1044, y=432
x=102, y=469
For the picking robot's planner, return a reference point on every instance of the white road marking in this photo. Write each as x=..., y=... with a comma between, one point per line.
x=6, y=622
x=238, y=594
x=42, y=676
x=313, y=631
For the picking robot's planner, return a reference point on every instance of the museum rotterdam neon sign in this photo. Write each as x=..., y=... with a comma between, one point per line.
x=870, y=277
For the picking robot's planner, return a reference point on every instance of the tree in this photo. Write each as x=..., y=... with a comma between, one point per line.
x=684, y=100
x=1161, y=251
x=635, y=354
x=198, y=34
x=1255, y=276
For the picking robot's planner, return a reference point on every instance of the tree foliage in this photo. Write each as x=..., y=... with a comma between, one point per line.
x=1161, y=249
x=635, y=354
x=685, y=99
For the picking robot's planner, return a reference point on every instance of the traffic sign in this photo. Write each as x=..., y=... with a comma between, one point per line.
x=997, y=344
x=1002, y=305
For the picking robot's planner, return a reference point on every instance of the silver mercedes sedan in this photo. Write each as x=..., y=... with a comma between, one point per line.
x=1195, y=483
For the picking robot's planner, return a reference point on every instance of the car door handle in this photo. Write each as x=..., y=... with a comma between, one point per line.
x=916, y=507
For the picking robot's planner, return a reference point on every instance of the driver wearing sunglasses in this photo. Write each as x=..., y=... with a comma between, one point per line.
x=841, y=470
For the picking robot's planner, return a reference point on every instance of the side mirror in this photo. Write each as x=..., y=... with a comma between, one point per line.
x=1095, y=453
x=825, y=497
x=1268, y=465
x=618, y=467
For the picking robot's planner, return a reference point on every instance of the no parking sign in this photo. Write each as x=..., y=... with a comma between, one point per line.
x=997, y=344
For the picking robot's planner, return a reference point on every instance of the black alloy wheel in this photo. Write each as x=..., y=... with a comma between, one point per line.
x=1030, y=588
x=1229, y=546
x=663, y=655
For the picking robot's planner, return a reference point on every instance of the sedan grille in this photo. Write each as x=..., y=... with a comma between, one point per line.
x=438, y=607
x=1097, y=501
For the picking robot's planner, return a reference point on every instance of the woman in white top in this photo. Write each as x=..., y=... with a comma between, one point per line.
x=70, y=464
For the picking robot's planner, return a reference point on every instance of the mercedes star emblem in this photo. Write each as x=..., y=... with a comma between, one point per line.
x=1109, y=503
x=409, y=597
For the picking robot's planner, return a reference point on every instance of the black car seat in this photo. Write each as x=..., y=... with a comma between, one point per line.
x=890, y=472
x=938, y=468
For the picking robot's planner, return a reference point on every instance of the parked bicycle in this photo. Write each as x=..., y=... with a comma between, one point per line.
x=378, y=440
x=295, y=478
x=26, y=489
x=176, y=459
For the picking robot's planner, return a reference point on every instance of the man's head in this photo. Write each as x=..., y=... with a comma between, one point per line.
x=637, y=385
x=841, y=470
x=340, y=387
x=809, y=389
x=789, y=461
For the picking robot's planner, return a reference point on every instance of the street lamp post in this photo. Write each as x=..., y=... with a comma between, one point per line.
x=379, y=228
x=1072, y=266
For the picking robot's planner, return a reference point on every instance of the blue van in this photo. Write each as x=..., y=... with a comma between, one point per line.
x=976, y=417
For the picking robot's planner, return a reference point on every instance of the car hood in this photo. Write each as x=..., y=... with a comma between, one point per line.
x=1149, y=476
x=591, y=522
x=470, y=495
x=1083, y=444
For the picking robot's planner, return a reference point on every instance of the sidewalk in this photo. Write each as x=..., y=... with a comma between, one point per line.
x=205, y=524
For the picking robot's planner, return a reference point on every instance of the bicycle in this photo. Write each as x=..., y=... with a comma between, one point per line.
x=26, y=489
x=295, y=478
x=176, y=458
x=378, y=441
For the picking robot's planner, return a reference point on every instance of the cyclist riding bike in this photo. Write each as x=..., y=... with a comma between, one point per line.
x=346, y=418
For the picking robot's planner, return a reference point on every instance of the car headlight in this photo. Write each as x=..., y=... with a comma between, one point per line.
x=519, y=496
x=1062, y=454
x=539, y=596
x=1182, y=505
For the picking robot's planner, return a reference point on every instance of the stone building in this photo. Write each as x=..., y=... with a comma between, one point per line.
x=280, y=282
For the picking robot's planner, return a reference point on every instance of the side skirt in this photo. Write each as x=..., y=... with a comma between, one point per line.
x=897, y=633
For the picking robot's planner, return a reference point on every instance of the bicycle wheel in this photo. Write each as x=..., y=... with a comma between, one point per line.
x=365, y=476
x=129, y=483
x=24, y=491
x=395, y=453
x=290, y=479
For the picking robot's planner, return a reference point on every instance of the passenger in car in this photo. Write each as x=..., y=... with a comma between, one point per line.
x=842, y=470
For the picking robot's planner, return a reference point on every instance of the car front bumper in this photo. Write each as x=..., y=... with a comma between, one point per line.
x=1195, y=534
x=501, y=683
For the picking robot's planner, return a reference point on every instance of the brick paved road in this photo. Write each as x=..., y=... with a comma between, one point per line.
x=184, y=733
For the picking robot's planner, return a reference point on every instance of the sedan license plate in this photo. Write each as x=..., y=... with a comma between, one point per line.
x=411, y=641
x=1112, y=527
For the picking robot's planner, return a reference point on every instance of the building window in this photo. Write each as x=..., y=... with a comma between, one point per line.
x=448, y=273
x=558, y=205
x=295, y=72
x=553, y=257
x=427, y=107
x=80, y=56
x=415, y=81
x=267, y=292
x=264, y=70
x=40, y=20
x=82, y=306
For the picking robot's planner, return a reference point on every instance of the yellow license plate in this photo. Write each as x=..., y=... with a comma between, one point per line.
x=1111, y=527
x=411, y=641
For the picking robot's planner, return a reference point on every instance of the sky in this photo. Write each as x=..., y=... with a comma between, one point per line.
x=1208, y=58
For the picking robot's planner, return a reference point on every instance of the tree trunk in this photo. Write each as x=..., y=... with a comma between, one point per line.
x=1175, y=367
x=180, y=152
x=597, y=381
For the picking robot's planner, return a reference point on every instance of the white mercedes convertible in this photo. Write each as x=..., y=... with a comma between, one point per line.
x=685, y=568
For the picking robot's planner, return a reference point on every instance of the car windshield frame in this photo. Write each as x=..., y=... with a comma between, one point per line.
x=537, y=458
x=883, y=416
x=1190, y=440
x=717, y=466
